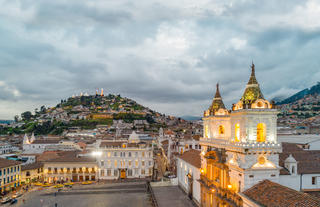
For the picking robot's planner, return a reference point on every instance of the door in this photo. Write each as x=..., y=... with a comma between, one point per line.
x=123, y=174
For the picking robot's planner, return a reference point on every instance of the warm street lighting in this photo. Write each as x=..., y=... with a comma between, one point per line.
x=213, y=190
x=202, y=171
x=96, y=153
x=229, y=186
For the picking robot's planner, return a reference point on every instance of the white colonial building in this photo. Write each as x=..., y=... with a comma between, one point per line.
x=188, y=173
x=124, y=158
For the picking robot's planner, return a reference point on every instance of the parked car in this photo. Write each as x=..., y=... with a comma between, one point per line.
x=6, y=200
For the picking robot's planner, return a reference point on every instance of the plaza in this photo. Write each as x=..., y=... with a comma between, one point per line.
x=96, y=195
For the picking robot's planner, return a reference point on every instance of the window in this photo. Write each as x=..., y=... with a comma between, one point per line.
x=261, y=132
x=102, y=172
x=142, y=154
x=108, y=172
x=109, y=163
x=237, y=133
x=142, y=172
x=206, y=131
x=115, y=163
x=129, y=154
x=221, y=129
x=109, y=154
x=115, y=172
x=314, y=180
x=142, y=163
x=136, y=154
x=0, y=172
x=136, y=171
x=28, y=173
x=150, y=163
x=102, y=163
x=130, y=163
x=129, y=172
x=137, y=163
x=115, y=154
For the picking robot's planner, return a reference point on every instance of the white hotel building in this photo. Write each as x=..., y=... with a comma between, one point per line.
x=124, y=158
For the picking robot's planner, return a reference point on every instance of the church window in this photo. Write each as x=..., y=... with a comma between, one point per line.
x=206, y=129
x=237, y=133
x=261, y=132
x=221, y=129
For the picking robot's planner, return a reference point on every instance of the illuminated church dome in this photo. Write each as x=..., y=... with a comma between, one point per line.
x=252, y=96
x=217, y=107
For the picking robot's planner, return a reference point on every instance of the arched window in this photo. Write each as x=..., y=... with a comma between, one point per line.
x=261, y=132
x=206, y=131
x=221, y=129
x=237, y=133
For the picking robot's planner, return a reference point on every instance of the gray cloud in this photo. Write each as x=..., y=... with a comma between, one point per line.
x=168, y=55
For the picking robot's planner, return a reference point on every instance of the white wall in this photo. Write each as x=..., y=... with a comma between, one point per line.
x=183, y=168
x=291, y=181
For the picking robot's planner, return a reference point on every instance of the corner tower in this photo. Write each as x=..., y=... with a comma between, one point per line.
x=216, y=120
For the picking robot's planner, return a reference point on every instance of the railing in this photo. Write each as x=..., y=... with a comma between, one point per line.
x=153, y=197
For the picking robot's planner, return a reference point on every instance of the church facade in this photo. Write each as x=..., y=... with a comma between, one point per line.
x=239, y=146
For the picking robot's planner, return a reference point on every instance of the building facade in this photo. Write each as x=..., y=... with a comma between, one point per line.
x=70, y=168
x=124, y=159
x=239, y=146
x=9, y=175
x=32, y=172
x=188, y=173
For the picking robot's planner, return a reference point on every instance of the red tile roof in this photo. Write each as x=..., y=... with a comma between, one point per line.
x=270, y=194
x=308, y=160
x=192, y=157
x=8, y=163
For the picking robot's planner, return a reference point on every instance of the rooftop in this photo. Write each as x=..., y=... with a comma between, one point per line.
x=270, y=194
x=8, y=163
x=192, y=157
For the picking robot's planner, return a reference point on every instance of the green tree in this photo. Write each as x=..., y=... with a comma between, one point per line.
x=26, y=116
x=16, y=118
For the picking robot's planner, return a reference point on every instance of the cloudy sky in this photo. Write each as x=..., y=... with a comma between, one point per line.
x=166, y=54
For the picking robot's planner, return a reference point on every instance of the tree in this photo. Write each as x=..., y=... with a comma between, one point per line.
x=26, y=115
x=16, y=118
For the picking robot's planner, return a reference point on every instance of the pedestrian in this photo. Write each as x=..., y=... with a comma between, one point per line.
x=55, y=194
x=55, y=205
x=24, y=201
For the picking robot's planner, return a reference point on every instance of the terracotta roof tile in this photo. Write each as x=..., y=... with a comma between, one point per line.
x=270, y=194
x=32, y=166
x=308, y=160
x=8, y=163
x=192, y=157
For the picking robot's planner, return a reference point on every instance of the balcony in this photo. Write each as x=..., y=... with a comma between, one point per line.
x=243, y=147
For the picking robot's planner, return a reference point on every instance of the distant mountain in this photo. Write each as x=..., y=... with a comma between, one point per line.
x=191, y=118
x=300, y=95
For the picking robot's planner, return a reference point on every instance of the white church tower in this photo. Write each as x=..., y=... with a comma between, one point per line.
x=241, y=143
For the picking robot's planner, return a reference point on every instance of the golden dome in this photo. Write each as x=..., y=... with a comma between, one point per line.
x=252, y=92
